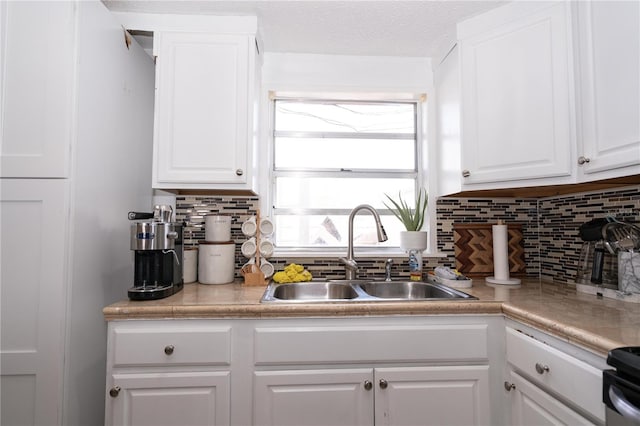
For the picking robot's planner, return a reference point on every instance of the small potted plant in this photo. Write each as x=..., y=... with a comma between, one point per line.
x=412, y=217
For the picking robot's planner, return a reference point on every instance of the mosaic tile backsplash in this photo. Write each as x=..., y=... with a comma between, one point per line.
x=549, y=226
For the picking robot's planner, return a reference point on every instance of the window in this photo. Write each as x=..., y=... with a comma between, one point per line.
x=329, y=157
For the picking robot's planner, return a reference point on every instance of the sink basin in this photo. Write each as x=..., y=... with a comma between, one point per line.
x=411, y=290
x=345, y=291
x=314, y=291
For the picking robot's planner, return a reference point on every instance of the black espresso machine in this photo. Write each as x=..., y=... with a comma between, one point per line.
x=157, y=243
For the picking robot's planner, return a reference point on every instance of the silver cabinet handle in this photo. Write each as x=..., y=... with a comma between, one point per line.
x=466, y=173
x=582, y=160
x=368, y=385
x=239, y=172
x=541, y=368
x=624, y=407
x=169, y=349
x=383, y=384
x=114, y=391
x=509, y=386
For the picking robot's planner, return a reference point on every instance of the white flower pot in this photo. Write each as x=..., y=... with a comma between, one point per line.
x=413, y=240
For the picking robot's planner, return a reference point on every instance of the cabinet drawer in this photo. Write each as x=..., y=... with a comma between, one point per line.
x=565, y=376
x=171, y=345
x=320, y=345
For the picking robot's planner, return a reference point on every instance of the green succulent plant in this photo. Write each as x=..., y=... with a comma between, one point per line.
x=411, y=217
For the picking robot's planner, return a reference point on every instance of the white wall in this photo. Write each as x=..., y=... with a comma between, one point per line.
x=111, y=175
x=290, y=71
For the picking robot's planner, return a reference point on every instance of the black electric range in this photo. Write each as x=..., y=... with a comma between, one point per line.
x=621, y=387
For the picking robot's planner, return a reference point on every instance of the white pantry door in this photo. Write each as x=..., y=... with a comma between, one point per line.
x=37, y=88
x=33, y=217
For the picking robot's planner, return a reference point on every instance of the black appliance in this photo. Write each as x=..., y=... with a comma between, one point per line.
x=621, y=387
x=595, y=264
x=157, y=243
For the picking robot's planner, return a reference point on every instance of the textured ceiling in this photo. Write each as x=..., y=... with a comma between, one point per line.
x=381, y=28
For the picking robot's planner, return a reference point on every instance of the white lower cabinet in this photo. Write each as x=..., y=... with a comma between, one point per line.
x=158, y=399
x=169, y=373
x=314, y=397
x=530, y=405
x=410, y=370
x=439, y=395
x=549, y=386
x=376, y=371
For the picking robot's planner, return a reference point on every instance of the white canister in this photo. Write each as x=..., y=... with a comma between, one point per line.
x=190, y=265
x=216, y=262
x=217, y=228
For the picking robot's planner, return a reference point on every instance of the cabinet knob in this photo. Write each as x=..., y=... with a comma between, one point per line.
x=509, y=386
x=541, y=368
x=368, y=385
x=466, y=173
x=114, y=391
x=239, y=172
x=582, y=160
x=383, y=384
x=168, y=349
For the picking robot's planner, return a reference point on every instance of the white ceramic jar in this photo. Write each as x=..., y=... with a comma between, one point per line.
x=217, y=228
x=216, y=262
x=190, y=265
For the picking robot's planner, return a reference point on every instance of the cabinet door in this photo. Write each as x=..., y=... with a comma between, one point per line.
x=531, y=406
x=313, y=397
x=169, y=399
x=37, y=77
x=201, y=109
x=609, y=70
x=517, y=100
x=32, y=296
x=453, y=395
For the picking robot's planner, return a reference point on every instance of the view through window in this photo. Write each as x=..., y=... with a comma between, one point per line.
x=329, y=157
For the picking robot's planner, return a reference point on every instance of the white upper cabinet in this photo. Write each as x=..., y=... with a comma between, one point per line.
x=608, y=36
x=36, y=102
x=549, y=95
x=516, y=92
x=203, y=110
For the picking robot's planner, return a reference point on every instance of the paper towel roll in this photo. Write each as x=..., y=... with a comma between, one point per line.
x=500, y=233
x=500, y=252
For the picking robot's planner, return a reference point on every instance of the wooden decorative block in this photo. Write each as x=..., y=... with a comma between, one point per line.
x=473, y=245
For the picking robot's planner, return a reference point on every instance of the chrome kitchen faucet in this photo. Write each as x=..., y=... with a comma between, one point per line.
x=350, y=264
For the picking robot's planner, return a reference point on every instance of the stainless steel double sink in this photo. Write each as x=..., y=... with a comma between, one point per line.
x=360, y=291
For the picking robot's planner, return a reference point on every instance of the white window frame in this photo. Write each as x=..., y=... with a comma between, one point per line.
x=267, y=173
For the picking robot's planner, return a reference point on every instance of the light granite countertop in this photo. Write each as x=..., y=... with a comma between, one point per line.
x=597, y=324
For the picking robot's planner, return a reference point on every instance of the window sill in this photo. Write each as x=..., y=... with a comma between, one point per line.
x=337, y=253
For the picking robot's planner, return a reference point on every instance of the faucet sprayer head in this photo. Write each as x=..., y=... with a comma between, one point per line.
x=382, y=235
